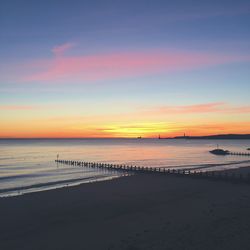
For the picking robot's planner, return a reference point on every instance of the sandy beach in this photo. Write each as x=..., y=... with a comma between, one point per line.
x=144, y=211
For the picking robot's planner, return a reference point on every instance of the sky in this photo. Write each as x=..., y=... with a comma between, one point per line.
x=94, y=68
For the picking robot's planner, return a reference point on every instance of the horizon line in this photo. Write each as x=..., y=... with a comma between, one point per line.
x=137, y=137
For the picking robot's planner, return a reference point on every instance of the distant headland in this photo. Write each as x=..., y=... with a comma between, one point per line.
x=217, y=137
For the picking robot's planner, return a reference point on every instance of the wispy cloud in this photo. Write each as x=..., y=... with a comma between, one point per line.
x=167, y=121
x=144, y=118
x=155, y=112
x=16, y=107
x=214, y=107
x=60, y=49
x=186, y=109
x=147, y=129
x=119, y=65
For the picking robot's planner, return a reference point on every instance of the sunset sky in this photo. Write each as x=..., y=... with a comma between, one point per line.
x=106, y=68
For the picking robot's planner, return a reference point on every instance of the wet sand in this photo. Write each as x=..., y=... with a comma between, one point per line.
x=144, y=211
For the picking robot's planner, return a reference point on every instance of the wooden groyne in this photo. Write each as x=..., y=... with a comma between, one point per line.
x=216, y=175
x=238, y=153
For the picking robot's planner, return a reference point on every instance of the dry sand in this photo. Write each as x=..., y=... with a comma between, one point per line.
x=145, y=211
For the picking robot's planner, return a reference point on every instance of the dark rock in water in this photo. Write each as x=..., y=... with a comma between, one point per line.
x=248, y=148
x=219, y=151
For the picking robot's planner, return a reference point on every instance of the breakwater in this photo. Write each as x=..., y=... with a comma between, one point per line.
x=239, y=153
x=216, y=175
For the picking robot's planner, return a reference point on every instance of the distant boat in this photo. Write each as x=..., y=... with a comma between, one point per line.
x=219, y=151
x=139, y=137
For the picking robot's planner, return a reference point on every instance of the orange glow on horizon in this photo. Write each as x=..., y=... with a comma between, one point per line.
x=144, y=130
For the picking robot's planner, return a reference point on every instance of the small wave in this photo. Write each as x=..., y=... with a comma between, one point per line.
x=52, y=185
x=2, y=178
x=208, y=165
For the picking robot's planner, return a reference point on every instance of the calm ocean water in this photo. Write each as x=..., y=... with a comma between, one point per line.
x=28, y=165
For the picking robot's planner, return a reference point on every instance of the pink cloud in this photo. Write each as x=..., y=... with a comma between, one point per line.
x=60, y=49
x=215, y=107
x=199, y=108
x=120, y=65
x=241, y=110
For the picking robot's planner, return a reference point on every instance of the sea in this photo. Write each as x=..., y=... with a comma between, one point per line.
x=28, y=165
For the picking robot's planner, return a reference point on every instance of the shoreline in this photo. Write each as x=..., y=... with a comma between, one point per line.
x=143, y=211
x=244, y=171
x=41, y=187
